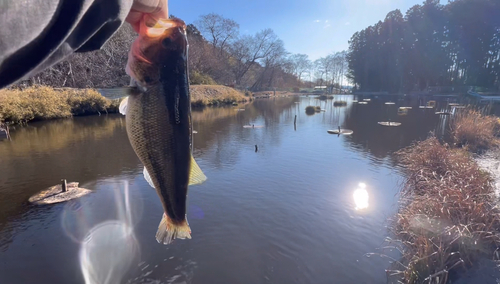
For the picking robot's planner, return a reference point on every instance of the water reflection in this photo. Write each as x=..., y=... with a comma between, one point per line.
x=255, y=220
x=361, y=197
x=380, y=141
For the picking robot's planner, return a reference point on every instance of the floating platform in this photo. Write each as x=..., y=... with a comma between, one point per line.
x=425, y=107
x=390, y=103
x=54, y=194
x=367, y=100
x=253, y=126
x=341, y=131
x=403, y=108
x=443, y=113
x=355, y=101
x=389, y=123
x=362, y=103
x=339, y=103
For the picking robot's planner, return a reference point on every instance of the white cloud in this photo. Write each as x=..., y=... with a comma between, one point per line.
x=317, y=21
x=326, y=26
x=326, y=21
x=347, y=23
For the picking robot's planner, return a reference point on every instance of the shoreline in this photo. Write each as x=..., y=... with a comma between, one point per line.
x=37, y=103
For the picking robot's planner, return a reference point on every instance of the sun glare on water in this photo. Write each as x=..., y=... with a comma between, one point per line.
x=361, y=197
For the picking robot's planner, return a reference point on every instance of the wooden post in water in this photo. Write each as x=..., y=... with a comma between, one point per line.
x=64, y=185
x=295, y=120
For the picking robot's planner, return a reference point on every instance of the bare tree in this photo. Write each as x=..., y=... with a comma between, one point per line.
x=218, y=30
x=273, y=61
x=247, y=50
x=301, y=64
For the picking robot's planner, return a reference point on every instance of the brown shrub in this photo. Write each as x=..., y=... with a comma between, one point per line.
x=447, y=217
x=474, y=130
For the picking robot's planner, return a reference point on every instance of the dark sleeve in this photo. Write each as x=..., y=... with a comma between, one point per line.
x=35, y=34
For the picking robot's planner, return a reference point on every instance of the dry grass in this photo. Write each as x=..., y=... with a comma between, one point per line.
x=206, y=95
x=474, y=130
x=41, y=103
x=448, y=217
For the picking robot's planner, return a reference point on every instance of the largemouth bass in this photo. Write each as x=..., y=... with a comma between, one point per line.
x=158, y=119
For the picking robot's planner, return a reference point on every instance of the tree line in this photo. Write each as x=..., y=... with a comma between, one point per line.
x=256, y=62
x=457, y=44
x=218, y=54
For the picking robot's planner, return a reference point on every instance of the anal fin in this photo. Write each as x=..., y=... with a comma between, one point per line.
x=196, y=175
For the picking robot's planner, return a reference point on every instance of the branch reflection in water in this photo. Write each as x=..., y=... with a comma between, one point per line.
x=361, y=197
x=108, y=248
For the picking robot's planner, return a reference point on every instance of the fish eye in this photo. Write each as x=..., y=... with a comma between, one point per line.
x=166, y=42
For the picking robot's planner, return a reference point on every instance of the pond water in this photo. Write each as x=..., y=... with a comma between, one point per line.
x=286, y=213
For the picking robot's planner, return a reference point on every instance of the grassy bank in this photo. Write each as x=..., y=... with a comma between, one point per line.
x=42, y=102
x=448, y=217
x=208, y=95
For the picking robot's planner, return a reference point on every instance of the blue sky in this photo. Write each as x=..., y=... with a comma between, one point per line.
x=313, y=27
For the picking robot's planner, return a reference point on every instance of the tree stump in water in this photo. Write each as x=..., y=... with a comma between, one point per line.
x=59, y=193
x=64, y=185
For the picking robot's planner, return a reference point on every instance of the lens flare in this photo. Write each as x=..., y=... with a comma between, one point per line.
x=75, y=220
x=109, y=248
x=80, y=215
x=108, y=252
x=361, y=197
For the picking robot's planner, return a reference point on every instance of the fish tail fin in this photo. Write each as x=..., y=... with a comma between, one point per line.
x=168, y=231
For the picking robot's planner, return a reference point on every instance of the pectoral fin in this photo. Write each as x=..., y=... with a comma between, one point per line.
x=123, y=106
x=147, y=177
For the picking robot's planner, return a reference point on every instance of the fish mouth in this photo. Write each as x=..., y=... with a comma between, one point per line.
x=164, y=28
x=155, y=38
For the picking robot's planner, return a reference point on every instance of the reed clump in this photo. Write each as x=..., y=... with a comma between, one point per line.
x=448, y=216
x=42, y=103
x=310, y=110
x=475, y=131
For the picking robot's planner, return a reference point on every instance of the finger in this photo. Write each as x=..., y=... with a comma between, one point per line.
x=134, y=19
x=157, y=8
x=162, y=12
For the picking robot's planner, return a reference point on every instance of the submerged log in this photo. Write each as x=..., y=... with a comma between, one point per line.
x=59, y=193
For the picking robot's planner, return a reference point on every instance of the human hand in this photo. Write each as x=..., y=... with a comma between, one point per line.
x=157, y=9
